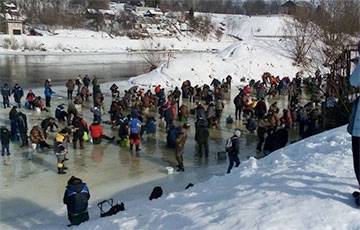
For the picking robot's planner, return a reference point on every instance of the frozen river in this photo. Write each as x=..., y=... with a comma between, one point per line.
x=31, y=190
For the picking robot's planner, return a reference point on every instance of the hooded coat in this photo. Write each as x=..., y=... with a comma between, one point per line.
x=354, y=125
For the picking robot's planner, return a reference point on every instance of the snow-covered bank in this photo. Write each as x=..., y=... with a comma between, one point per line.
x=307, y=185
x=247, y=59
x=85, y=41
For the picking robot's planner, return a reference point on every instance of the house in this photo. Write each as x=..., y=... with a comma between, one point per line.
x=11, y=22
x=153, y=14
x=288, y=7
x=108, y=15
x=12, y=27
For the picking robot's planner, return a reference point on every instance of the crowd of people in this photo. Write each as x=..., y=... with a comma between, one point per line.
x=134, y=113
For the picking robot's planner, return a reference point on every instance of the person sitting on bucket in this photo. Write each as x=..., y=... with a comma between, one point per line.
x=76, y=198
x=233, y=150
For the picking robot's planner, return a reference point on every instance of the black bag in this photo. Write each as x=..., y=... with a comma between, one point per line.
x=156, y=193
x=113, y=208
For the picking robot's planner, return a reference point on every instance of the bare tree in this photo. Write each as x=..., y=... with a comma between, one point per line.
x=337, y=22
x=150, y=54
x=301, y=31
x=255, y=7
x=98, y=4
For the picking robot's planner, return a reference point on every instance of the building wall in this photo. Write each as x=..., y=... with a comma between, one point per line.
x=14, y=26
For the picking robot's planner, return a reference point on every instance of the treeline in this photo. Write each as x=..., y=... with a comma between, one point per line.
x=249, y=7
x=59, y=12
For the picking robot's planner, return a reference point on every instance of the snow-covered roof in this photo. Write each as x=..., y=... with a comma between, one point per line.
x=289, y=4
x=91, y=11
x=110, y=12
x=10, y=5
x=153, y=12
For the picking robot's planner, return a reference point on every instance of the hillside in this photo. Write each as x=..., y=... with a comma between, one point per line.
x=262, y=49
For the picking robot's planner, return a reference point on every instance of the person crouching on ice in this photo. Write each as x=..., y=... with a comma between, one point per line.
x=97, y=133
x=76, y=198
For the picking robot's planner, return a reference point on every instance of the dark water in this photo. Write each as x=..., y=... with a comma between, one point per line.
x=33, y=70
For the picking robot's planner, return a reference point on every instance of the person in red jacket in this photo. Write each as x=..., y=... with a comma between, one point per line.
x=97, y=133
x=157, y=89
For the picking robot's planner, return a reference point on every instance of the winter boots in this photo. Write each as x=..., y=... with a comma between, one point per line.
x=61, y=168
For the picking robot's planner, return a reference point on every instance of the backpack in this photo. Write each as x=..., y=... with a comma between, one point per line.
x=134, y=126
x=156, y=193
x=228, y=145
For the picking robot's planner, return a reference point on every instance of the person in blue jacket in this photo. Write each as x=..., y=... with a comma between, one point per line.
x=354, y=125
x=48, y=94
x=76, y=198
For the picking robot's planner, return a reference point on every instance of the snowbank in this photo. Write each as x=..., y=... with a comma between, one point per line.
x=306, y=185
x=247, y=59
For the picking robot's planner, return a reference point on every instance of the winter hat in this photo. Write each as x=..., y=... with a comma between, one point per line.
x=237, y=133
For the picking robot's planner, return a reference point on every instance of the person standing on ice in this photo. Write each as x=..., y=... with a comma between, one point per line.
x=354, y=125
x=233, y=150
x=18, y=93
x=76, y=198
x=6, y=92
x=48, y=92
x=179, y=148
x=134, y=130
x=5, y=137
x=70, y=85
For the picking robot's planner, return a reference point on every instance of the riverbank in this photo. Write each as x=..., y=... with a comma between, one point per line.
x=85, y=41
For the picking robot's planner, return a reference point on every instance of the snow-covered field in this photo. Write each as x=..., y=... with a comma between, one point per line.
x=306, y=185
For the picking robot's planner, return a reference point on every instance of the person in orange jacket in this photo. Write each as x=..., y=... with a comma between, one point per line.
x=97, y=133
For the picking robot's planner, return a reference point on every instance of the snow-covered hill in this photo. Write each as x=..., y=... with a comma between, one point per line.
x=252, y=26
x=262, y=49
x=306, y=185
x=248, y=59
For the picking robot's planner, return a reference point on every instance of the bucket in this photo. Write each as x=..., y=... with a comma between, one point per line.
x=170, y=170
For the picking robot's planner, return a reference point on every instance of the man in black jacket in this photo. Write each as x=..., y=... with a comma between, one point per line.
x=6, y=92
x=76, y=198
x=238, y=102
x=276, y=140
x=202, y=137
x=21, y=121
x=233, y=150
x=5, y=137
